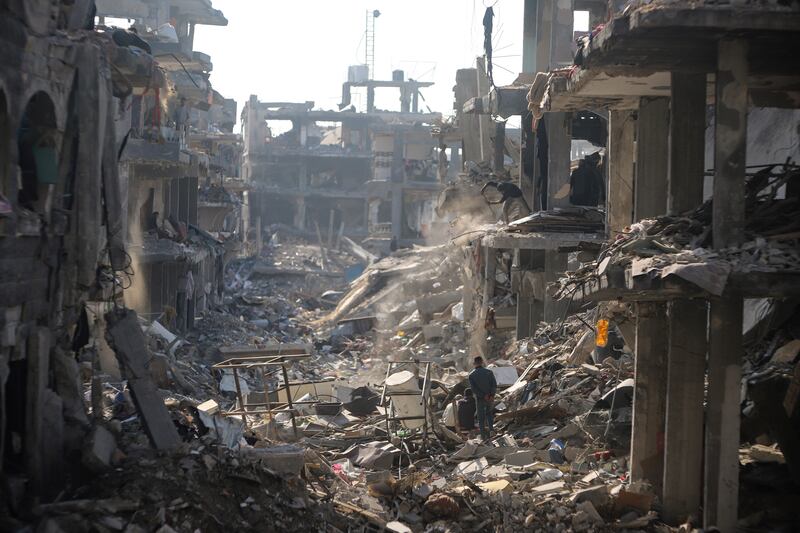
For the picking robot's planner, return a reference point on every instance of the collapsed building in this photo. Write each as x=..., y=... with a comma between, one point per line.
x=700, y=147
x=179, y=155
x=62, y=219
x=367, y=175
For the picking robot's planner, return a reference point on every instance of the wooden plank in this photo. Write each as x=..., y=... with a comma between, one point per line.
x=687, y=142
x=126, y=338
x=649, y=395
x=683, y=439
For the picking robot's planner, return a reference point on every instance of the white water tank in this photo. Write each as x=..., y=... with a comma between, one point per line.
x=406, y=404
x=357, y=73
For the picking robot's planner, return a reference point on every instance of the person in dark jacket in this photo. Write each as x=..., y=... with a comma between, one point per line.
x=586, y=182
x=484, y=386
x=465, y=411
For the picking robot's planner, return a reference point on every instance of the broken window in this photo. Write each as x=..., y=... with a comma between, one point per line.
x=38, y=157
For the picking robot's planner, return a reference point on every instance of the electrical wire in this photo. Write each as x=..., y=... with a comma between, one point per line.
x=182, y=66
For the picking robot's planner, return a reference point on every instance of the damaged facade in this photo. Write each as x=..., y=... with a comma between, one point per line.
x=364, y=175
x=179, y=160
x=62, y=225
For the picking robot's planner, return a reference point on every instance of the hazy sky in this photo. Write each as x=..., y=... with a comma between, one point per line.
x=300, y=49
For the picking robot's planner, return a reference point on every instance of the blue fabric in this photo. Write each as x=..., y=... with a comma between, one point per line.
x=46, y=164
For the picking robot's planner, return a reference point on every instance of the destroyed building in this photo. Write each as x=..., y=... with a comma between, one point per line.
x=627, y=265
x=62, y=219
x=370, y=174
x=179, y=155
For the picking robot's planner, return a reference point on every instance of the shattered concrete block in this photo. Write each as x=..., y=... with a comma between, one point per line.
x=597, y=495
x=99, y=449
x=159, y=370
x=572, y=452
x=504, y=375
x=501, y=485
x=397, y=527
x=432, y=331
x=434, y=303
x=68, y=386
x=590, y=511
x=633, y=500
x=468, y=468
x=208, y=408
x=580, y=522
x=521, y=458
x=285, y=459
x=583, y=349
x=547, y=488
x=131, y=349
x=766, y=454
x=787, y=353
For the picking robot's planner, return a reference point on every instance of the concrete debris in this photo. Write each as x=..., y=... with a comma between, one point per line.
x=127, y=339
x=99, y=449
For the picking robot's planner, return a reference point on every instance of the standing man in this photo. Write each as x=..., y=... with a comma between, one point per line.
x=484, y=386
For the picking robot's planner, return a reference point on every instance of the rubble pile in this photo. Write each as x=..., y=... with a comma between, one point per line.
x=558, y=459
x=205, y=488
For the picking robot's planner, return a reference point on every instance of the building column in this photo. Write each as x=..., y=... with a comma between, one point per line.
x=529, y=311
x=489, y=281
x=530, y=22
x=649, y=394
x=651, y=327
x=652, y=158
x=397, y=210
x=559, y=145
x=499, y=146
x=300, y=213
x=683, y=441
x=725, y=336
x=619, y=196
x=687, y=137
x=370, y=98
x=555, y=264
x=485, y=124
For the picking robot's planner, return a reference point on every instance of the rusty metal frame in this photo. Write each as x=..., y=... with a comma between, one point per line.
x=268, y=407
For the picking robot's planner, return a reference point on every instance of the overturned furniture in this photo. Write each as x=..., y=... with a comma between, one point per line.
x=265, y=361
